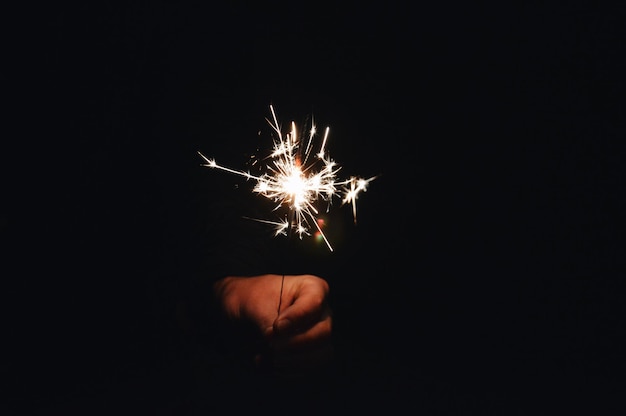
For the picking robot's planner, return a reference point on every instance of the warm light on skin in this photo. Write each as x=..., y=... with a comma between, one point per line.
x=291, y=181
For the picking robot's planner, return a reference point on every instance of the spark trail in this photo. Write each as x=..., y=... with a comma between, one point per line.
x=299, y=180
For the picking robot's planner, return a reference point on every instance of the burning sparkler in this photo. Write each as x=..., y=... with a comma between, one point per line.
x=290, y=180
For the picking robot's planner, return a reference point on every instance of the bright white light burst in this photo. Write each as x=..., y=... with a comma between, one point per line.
x=290, y=180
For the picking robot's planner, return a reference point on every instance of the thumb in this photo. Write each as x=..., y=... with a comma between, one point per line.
x=295, y=316
x=283, y=326
x=306, y=304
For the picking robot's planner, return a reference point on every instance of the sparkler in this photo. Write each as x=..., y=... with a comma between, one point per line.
x=296, y=178
x=291, y=180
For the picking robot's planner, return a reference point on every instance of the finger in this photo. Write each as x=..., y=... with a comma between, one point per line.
x=309, y=337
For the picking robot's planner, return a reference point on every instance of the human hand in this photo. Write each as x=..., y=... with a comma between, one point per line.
x=298, y=337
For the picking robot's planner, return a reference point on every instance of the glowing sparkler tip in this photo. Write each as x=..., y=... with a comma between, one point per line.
x=290, y=180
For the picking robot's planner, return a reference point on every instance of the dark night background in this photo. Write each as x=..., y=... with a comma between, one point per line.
x=485, y=274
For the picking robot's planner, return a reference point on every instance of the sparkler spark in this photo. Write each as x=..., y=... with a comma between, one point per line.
x=291, y=180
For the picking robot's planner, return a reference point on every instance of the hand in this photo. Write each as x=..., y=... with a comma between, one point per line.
x=298, y=337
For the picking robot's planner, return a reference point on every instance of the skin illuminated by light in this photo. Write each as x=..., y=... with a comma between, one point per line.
x=290, y=180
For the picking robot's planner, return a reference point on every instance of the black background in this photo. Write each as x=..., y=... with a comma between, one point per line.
x=484, y=276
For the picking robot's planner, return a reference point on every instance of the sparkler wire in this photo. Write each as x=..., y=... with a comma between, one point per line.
x=280, y=296
x=282, y=280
